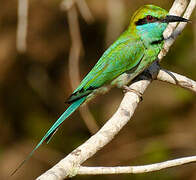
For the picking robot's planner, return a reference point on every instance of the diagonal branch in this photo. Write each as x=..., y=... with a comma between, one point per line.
x=169, y=33
x=69, y=166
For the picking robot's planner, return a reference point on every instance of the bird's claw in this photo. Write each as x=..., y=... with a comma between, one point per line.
x=128, y=89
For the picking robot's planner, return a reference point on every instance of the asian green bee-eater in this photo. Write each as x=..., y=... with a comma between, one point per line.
x=132, y=52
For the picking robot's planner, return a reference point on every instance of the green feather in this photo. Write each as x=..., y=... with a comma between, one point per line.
x=120, y=57
x=131, y=53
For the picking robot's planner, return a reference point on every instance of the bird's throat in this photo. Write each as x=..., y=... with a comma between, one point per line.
x=152, y=33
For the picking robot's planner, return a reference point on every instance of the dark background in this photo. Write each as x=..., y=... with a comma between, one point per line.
x=34, y=86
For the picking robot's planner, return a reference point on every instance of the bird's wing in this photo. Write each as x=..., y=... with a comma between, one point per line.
x=121, y=56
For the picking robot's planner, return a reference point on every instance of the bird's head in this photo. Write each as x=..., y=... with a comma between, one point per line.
x=149, y=22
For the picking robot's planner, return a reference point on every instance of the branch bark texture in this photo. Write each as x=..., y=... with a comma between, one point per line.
x=136, y=169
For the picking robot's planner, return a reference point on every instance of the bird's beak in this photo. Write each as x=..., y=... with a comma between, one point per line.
x=171, y=18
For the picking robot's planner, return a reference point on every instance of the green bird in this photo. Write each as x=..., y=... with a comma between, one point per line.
x=131, y=53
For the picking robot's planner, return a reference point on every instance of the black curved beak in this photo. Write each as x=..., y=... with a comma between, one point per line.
x=171, y=18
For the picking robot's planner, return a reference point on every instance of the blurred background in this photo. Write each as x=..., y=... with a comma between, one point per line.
x=41, y=43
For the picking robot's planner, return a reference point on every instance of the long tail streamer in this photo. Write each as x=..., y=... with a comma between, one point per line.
x=53, y=129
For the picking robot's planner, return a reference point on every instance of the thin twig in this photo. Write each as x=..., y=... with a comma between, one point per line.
x=85, y=11
x=83, y=170
x=21, y=37
x=177, y=79
x=74, y=60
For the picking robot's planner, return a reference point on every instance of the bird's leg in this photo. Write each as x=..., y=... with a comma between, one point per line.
x=128, y=89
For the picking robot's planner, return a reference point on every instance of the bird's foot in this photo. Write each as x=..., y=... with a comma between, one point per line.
x=128, y=89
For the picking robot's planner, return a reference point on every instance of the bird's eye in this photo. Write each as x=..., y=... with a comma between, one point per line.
x=149, y=18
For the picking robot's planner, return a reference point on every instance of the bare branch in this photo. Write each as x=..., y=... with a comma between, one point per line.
x=85, y=11
x=76, y=44
x=178, y=8
x=22, y=26
x=177, y=79
x=135, y=169
x=74, y=71
x=74, y=59
x=171, y=37
x=69, y=166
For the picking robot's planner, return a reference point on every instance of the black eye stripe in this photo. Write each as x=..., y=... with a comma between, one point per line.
x=141, y=21
x=145, y=21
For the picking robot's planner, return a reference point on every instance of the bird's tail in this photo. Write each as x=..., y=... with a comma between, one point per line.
x=53, y=129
